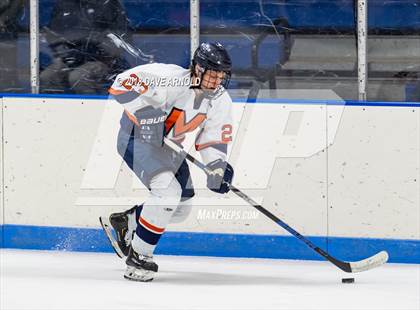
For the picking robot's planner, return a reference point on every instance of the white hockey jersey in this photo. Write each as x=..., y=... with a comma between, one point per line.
x=167, y=87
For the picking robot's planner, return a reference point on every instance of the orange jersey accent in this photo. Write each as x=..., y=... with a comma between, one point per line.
x=176, y=120
x=132, y=118
x=116, y=92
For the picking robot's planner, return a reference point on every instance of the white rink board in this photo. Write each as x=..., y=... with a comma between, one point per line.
x=61, y=168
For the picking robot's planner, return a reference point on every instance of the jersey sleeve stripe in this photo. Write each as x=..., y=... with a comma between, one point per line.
x=113, y=91
x=200, y=147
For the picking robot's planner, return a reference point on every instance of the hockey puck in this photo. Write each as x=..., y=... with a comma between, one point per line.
x=347, y=280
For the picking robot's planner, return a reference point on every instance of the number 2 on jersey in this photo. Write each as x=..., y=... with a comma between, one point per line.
x=226, y=133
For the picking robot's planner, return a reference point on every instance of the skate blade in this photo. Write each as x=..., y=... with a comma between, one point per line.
x=106, y=226
x=139, y=275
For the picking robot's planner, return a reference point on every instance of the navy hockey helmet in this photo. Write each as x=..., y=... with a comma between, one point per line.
x=213, y=56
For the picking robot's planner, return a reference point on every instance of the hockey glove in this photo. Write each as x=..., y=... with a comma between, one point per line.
x=151, y=125
x=219, y=176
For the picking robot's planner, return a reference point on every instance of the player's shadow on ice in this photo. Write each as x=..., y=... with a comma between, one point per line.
x=211, y=278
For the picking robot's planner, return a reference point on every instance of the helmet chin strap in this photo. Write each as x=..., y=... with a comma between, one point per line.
x=214, y=93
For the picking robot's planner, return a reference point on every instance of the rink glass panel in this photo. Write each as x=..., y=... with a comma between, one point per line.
x=14, y=47
x=300, y=44
x=394, y=50
x=287, y=44
x=306, y=44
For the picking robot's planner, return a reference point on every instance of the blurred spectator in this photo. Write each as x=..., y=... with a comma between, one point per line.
x=412, y=87
x=88, y=38
x=415, y=92
x=10, y=12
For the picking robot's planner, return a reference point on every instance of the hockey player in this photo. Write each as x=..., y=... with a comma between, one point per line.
x=164, y=100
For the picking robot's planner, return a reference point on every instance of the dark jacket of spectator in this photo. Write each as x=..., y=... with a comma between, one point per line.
x=85, y=37
x=9, y=14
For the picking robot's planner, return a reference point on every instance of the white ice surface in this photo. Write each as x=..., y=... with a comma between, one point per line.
x=64, y=280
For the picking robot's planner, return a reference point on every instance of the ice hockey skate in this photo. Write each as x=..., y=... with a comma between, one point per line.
x=140, y=268
x=120, y=223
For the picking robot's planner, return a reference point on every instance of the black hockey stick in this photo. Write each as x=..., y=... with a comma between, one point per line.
x=362, y=265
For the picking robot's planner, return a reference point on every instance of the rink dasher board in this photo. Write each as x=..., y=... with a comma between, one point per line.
x=362, y=198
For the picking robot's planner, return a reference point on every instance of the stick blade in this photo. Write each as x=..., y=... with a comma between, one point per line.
x=369, y=263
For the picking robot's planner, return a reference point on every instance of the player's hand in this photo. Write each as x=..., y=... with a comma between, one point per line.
x=219, y=176
x=151, y=125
